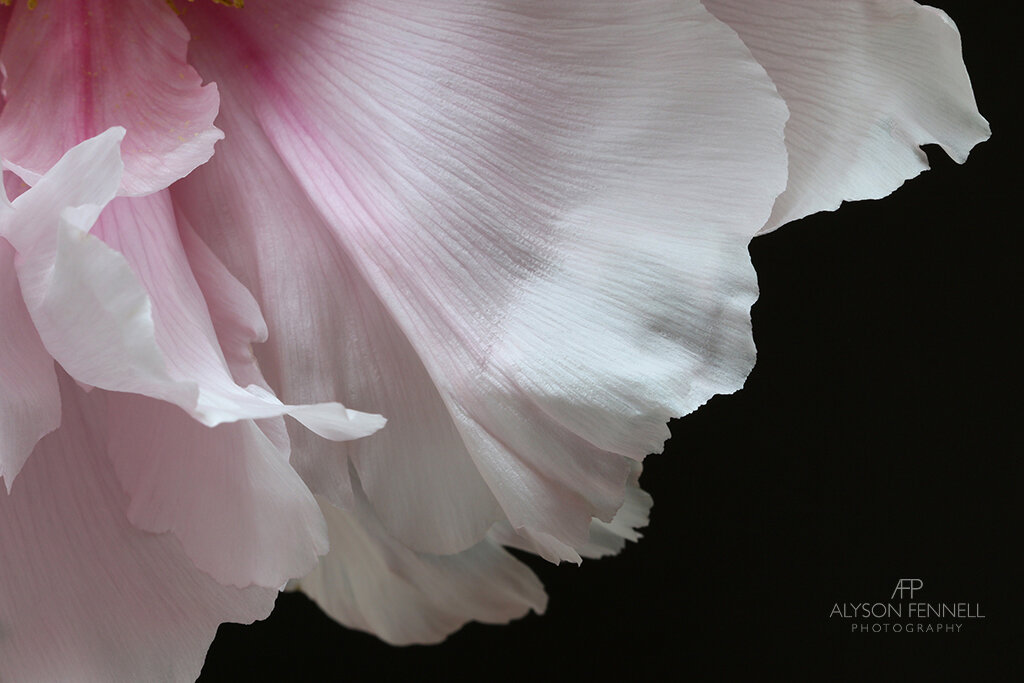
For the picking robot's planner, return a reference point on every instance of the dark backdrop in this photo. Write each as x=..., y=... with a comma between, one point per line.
x=876, y=439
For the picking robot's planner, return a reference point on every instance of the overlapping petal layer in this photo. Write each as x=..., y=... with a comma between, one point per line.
x=39, y=228
x=407, y=597
x=241, y=511
x=121, y=308
x=145, y=232
x=86, y=596
x=606, y=538
x=516, y=228
x=867, y=83
x=455, y=183
x=74, y=68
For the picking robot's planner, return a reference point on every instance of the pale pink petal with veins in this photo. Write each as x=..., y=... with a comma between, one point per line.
x=85, y=595
x=453, y=202
x=114, y=64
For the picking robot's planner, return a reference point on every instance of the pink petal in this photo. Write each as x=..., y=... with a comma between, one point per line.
x=331, y=337
x=373, y=583
x=236, y=317
x=132, y=318
x=122, y=310
x=29, y=399
x=228, y=493
x=467, y=167
x=144, y=230
x=13, y=185
x=84, y=595
x=867, y=83
x=91, y=313
x=116, y=64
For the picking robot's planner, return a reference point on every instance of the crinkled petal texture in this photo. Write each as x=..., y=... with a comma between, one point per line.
x=77, y=67
x=606, y=538
x=867, y=83
x=124, y=308
x=85, y=595
x=374, y=583
x=120, y=308
x=182, y=352
x=519, y=229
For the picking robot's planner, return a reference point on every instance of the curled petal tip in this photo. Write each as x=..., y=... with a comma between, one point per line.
x=336, y=422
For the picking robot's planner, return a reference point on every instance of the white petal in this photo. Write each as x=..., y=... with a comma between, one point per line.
x=29, y=399
x=867, y=82
x=606, y=538
x=373, y=583
x=86, y=177
x=609, y=538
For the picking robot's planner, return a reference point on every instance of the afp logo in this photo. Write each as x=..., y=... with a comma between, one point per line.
x=908, y=585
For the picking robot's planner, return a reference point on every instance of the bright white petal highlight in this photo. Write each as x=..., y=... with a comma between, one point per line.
x=463, y=173
x=867, y=82
x=29, y=399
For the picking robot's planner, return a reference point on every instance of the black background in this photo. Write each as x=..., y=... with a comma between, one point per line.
x=876, y=439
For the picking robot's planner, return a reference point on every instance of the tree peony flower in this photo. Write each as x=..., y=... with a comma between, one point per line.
x=517, y=230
